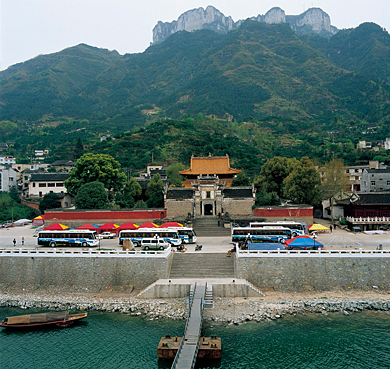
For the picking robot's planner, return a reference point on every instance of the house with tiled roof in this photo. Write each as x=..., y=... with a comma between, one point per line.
x=43, y=183
x=369, y=211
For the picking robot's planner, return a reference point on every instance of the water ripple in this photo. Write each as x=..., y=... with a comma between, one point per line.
x=121, y=341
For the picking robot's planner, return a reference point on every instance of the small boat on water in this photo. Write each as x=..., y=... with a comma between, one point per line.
x=60, y=319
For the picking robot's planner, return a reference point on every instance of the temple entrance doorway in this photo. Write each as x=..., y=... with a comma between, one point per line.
x=208, y=209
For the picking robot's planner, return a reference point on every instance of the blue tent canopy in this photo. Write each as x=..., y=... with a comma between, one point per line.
x=266, y=246
x=302, y=242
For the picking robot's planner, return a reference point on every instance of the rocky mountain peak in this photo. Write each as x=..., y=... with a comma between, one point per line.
x=312, y=21
x=209, y=18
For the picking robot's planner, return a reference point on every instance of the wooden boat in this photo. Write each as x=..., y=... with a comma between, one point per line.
x=60, y=319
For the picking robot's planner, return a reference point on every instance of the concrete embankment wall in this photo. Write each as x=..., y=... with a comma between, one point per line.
x=316, y=273
x=75, y=273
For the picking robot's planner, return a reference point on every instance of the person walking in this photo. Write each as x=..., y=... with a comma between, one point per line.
x=14, y=241
x=331, y=228
x=22, y=241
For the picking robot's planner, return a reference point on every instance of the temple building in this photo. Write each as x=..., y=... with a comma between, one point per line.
x=207, y=191
x=217, y=167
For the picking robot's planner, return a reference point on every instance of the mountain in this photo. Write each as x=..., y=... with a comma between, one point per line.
x=273, y=90
x=312, y=21
x=45, y=84
x=365, y=49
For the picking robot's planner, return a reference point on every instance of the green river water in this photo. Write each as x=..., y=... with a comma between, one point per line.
x=113, y=340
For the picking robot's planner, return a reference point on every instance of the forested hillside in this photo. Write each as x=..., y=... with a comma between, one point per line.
x=256, y=92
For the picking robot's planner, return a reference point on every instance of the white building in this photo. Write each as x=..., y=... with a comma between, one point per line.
x=43, y=183
x=7, y=160
x=375, y=180
x=387, y=143
x=7, y=178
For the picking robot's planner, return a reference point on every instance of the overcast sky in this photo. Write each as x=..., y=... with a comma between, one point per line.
x=33, y=27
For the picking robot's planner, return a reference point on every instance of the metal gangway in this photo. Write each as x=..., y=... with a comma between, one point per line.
x=188, y=350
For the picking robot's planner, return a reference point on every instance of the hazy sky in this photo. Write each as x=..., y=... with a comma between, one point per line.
x=33, y=27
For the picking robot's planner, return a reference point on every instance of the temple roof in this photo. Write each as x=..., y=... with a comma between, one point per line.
x=210, y=165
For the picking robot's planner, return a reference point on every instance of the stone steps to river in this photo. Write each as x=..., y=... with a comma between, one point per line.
x=208, y=227
x=206, y=265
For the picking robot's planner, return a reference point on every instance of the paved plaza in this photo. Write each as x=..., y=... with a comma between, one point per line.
x=337, y=240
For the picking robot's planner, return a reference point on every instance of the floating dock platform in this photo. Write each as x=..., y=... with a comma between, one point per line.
x=209, y=347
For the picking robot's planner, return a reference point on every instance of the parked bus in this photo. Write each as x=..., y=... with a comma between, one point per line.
x=297, y=228
x=261, y=234
x=187, y=234
x=74, y=237
x=168, y=234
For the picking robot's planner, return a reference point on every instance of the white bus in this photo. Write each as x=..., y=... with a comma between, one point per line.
x=187, y=234
x=297, y=228
x=261, y=234
x=168, y=234
x=75, y=237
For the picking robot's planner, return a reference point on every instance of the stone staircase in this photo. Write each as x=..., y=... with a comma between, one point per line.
x=202, y=265
x=208, y=227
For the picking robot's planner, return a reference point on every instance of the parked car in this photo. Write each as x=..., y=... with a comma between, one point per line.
x=7, y=225
x=107, y=235
x=154, y=244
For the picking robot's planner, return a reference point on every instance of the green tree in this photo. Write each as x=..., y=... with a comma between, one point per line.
x=303, y=184
x=49, y=201
x=264, y=198
x=79, y=149
x=241, y=180
x=14, y=194
x=124, y=201
x=133, y=189
x=140, y=204
x=155, y=193
x=273, y=173
x=174, y=178
x=96, y=167
x=334, y=181
x=10, y=209
x=92, y=195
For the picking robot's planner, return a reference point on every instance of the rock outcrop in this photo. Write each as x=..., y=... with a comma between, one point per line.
x=312, y=21
x=192, y=20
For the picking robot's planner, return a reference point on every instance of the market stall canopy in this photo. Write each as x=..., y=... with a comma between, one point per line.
x=302, y=242
x=148, y=225
x=108, y=227
x=126, y=226
x=38, y=221
x=56, y=227
x=171, y=225
x=22, y=222
x=88, y=226
x=318, y=227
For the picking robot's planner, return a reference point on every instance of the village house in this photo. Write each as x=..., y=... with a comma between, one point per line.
x=7, y=178
x=63, y=165
x=7, y=160
x=375, y=180
x=42, y=183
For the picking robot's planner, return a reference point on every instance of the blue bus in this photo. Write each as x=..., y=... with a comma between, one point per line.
x=261, y=234
x=297, y=228
x=168, y=234
x=68, y=238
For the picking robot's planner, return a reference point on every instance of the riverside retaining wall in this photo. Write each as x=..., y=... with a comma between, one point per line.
x=316, y=272
x=92, y=273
